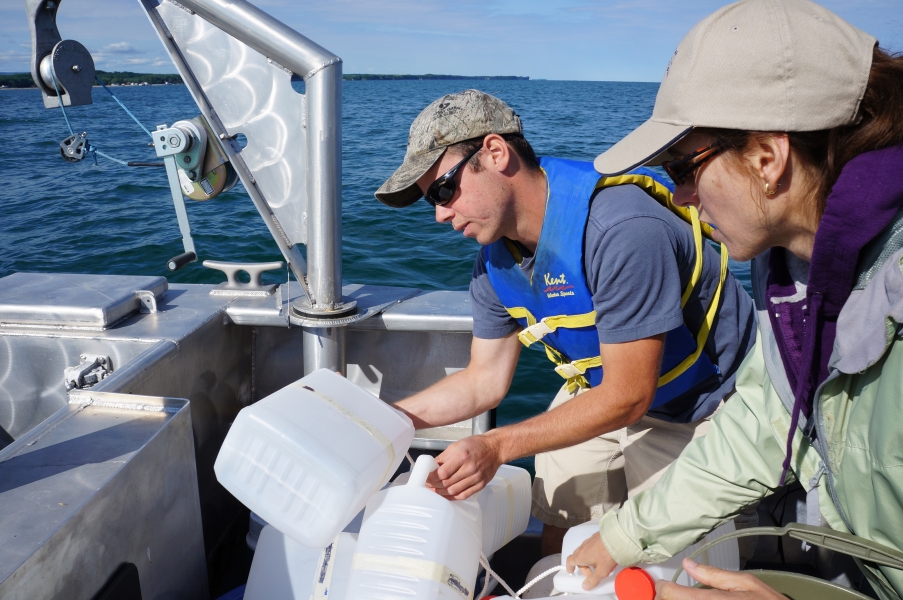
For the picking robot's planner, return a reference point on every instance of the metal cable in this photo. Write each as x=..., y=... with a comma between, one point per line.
x=119, y=102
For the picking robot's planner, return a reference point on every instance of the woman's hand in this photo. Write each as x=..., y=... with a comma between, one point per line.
x=726, y=585
x=593, y=560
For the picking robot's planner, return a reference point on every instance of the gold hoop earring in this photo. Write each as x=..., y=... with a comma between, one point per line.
x=769, y=191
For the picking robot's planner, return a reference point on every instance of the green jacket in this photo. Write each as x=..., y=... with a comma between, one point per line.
x=856, y=462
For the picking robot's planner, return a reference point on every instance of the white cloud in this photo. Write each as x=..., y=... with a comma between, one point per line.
x=120, y=48
x=14, y=61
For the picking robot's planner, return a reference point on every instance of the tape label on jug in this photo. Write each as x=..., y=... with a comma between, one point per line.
x=412, y=567
x=373, y=431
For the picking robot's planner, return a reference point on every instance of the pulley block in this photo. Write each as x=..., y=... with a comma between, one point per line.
x=74, y=147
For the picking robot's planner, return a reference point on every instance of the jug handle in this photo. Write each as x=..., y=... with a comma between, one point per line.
x=424, y=465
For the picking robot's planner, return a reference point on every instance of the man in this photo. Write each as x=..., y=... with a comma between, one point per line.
x=604, y=278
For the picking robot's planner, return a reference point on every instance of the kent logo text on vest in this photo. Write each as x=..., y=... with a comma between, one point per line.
x=557, y=286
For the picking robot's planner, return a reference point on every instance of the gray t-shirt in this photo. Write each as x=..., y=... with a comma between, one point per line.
x=638, y=259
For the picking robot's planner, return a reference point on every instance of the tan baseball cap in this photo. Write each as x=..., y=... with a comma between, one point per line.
x=450, y=119
x=755, y=65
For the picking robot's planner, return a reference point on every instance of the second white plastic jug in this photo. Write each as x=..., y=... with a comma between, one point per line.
x=307, y=457
x=416, y=544
x=724, y=556
x=504, y=503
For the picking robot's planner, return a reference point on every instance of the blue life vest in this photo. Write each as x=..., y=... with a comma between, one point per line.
x=555, y=306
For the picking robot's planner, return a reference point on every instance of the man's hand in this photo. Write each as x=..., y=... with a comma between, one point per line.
x=726, y=585
x=466, y=467
x=593, y=560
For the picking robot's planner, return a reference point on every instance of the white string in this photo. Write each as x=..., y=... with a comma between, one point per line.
x=537, y=579
x=490, y=574
x=407, y=455
x=485, y=591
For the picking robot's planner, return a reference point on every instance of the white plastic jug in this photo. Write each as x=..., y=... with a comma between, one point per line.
x=505, y=506
x=504, y=503
x=416, y=544
x=307, y=457
x=283, y=569
x=724, y=556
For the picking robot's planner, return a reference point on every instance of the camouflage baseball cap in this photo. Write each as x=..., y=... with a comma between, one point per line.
x=451, y=119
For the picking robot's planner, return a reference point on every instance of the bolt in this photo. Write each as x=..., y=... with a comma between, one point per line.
x=192, y=175
x=174, y=141
x=76, y=69
x=186, y=159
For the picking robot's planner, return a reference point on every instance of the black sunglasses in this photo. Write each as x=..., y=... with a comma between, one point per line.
x=443, y=189
x=682, y=167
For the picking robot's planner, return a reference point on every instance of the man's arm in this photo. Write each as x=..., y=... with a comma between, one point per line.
x=625, y=394
x=473, y=391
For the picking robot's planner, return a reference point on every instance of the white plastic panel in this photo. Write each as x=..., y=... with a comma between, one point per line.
x=252, y=96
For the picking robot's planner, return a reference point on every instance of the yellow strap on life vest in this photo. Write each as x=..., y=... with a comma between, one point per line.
x=697, y=267
x=572, y=371
x=691, y=215
x=704, y=329
x=687, y=213
x=657, y=191
x=538, y=330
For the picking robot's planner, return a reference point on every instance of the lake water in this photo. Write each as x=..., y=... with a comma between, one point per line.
x=81, y=218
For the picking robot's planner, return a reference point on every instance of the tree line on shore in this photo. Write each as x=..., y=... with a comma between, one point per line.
x=24, y=80
x=374, y=77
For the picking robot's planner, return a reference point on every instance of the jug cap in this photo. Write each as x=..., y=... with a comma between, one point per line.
x=633, y=583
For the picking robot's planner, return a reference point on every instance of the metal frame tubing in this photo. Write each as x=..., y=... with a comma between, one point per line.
x=322, y=74
x=323, y=348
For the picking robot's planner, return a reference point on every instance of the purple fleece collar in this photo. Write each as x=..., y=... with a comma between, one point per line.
x=864, y=200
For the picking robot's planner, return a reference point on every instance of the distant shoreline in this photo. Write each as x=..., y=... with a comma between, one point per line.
x=429, y=76
x=129, y=79
x=34, y=87
x=116, y=78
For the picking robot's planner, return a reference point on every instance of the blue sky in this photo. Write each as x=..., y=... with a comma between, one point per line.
x=612, y=40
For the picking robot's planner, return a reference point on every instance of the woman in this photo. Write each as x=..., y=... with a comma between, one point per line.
x=783, y=125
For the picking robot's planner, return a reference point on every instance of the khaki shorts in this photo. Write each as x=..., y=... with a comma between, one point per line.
x=580, y=483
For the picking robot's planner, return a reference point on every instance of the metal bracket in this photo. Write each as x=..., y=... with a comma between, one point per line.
x=66, y=61
x=148, y=301
x=234, y=287
x=368, y=301
x=303, y=309
x=93, y=369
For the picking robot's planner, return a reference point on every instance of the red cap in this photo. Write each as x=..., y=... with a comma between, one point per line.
x=633, y=583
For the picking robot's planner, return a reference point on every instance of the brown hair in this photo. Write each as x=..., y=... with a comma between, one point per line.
x=516, y=141
x=825, y=153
